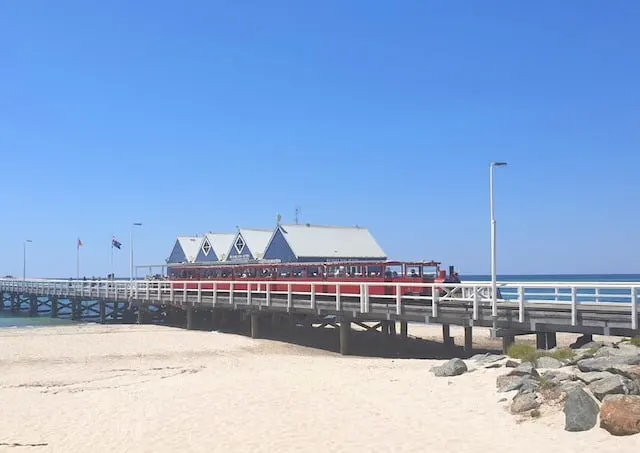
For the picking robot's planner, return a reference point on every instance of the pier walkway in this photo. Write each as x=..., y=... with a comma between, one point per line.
x=521, y=307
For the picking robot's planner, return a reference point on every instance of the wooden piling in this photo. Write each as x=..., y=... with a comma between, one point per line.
x=140, y=318
x=255, y=321
x=468, y=338
x=103, y=311
x=54, y=307
x=189, y=317
x=345, y=330
x=446, y=335
x=507, y=341
x=33, y=305
x=404, y=329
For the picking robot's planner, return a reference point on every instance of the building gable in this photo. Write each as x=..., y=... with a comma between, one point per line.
x=239, y=250
x=206, y=253
x=177, y=254
x=279, y=249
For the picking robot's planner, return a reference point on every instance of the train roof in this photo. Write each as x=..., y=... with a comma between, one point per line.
x=267, y=263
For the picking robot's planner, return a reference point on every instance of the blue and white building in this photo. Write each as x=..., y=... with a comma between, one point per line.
x=249, y=244
x=316, y=243
x=215, y=247
x=185, y=250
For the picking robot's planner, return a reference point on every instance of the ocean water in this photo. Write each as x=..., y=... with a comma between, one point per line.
x=613, y=295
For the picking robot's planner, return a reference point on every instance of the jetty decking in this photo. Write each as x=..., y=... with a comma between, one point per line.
x=520, y=308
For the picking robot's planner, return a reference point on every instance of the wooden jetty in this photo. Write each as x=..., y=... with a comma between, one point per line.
x=519, y=308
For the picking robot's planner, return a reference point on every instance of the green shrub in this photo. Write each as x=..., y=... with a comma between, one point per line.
x=523, y=352
x=561, y=354
x=635, y=341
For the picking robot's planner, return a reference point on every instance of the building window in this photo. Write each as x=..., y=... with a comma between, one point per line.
x=239, y=244
x=206, y=247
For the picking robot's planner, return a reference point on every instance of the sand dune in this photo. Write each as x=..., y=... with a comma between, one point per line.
x=92, y=388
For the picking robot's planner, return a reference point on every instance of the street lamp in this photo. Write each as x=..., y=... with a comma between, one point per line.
x=494, y=293
x=136, y=224
x=24, y=259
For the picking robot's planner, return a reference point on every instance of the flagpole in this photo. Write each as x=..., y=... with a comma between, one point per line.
x=112, y=236
x=78, y=260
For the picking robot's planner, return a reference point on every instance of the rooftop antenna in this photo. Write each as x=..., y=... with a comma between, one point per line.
x=278, y=219
x=298, y=210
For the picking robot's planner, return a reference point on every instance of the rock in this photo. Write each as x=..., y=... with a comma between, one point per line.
x=621, y=415
x=604, y=363
x=592, y=345
x=556, y=377
x=494, y=365
x=453, y=367
x=511, y=364
x=613, y=385
x=523, y=402
x=580, y=411
x=524, y=369
x=592, y=376
x=487, y=358
x=610, y=351
x=548, y=362
x=508, y=383
x=568, y=386
x=628, y=371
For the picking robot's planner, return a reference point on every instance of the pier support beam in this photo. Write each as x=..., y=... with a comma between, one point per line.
x=103, y=311
x=189, y=317
x=507, y=341
x=404, y=329
x=33, y=306
x=255, y=325
x=76, y=309
x=140, y=318
x=447, y=339
x=468, y=338
x=392, y=329
x=345, y=331
x=54, y=307
x=546, y=340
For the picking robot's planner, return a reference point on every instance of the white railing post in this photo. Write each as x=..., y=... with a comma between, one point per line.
x=521, y=304
x=313, y=296
x=268, y=295
x=147, y=290
x=435, y=297
x=184, y=292
x=398, y=299
x=574, y=306
x=476, y=303
x=289, y=297
x=231, y=301
x=634, y=308
x=199, y=293
x=215, y=293
x=597, y=295
x=249, y=301
x=338, y=300
x=362, y=307
x=171, y=292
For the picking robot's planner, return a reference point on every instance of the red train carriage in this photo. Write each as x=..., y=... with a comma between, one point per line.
x=347, y=274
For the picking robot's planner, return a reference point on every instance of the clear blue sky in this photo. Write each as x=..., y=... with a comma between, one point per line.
x=203, y=115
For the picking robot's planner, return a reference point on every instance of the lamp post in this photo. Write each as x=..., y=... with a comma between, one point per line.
x=24, y=259
x=133, y=225
x=494, y=293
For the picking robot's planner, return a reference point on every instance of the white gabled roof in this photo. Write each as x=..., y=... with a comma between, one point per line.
x=256, y=240
x=331, y=241
x=190, y=246
x=221, y=243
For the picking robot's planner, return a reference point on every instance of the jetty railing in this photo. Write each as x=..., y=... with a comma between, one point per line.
x=573, y=296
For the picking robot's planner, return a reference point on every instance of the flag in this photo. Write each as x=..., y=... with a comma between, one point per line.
x=79, y=243
x=116, y=243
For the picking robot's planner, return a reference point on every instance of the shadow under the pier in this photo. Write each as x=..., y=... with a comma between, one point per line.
x=361, y=343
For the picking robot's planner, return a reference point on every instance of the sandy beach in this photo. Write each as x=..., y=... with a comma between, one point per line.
x=129, y=388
